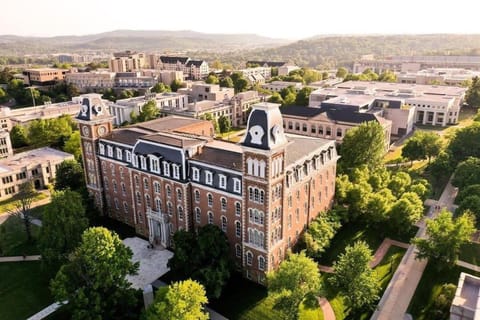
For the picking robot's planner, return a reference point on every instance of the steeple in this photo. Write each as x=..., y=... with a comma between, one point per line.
x=93, y=107
x=265, y=127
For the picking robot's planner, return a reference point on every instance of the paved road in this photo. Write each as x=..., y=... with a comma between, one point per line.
x=401, y=288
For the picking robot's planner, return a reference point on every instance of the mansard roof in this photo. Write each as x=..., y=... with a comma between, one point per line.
x=300, y=146
x=173, y=59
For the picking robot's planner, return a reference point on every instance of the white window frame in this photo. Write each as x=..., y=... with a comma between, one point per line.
x=195, y=174
x=237, y=185
x=208, y=177
x=128, y=156
x=222, y=181
x=154, y=164
x=166, y=168
x=143, y=163
x=101, y=149
x=119, y=153
x=110, y=151
x=176, y=171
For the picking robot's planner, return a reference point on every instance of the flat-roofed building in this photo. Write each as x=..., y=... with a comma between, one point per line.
x=43, y=76
x=127, y=61
x=91, y=80
x=277, y=86
x=38, y=165
x=439, y=76
x=466, y=303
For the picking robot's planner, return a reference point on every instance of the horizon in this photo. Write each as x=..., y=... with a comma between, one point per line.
x=64, y=18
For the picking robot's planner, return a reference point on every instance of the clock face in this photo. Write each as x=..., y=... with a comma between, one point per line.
x=86, y=131
x=102, y=130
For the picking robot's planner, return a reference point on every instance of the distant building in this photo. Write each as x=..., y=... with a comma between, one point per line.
x=38, y=165
x=203, y=91
x=127, y=61
x=267, y=64
x=93, y=80
x=257, y=75
x=192, y=69
x=133, y=80
x=466, y=303
x=43, y=76
x=277, y=86
x=170, y=174
x=286, y=69
x=438, y=76
x=6, y=149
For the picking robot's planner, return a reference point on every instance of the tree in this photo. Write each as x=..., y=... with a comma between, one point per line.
x=303, y=96
x=73, y=145
x=363, y=145
x=445, y=237
x=399, y=183
x=465, y=143
x=209, y=116
x=432, y=144
x=23, y=202
x=184, y=300
x=472, y=96
x=341, y=72
x=70, y=176
x=471, y=204
x=473, y=189
x=296, y=278
x=109, y=94
x=467, y=173
x=18, y=136
x=160, y=87
x=63, y=223
x=422, y=145
x=405, y=212
x=413, y=150
x=354, y=278
x=203, y=257
x=94, y=278
x=319, y=233
x=224, y=124
x=3, y=95
x=240, y=85
x=175, y=85
x=212, y=79
x=443, y=301
x=387, y=76
x=226, y=82
x=275, y=98
x=149, y=111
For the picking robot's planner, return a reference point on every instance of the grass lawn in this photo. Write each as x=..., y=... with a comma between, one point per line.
x=393, y=155
x=23, y=290
x=37, y=212
x=385, y=271
x=13, y=240
x=7, y=205
x=429, y=288
x=470, y=253
x=233, y=132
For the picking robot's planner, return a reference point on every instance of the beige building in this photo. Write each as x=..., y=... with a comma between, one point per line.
x=6, y=149
x=439, y=76
x=257, y=74
x=466, y=303
x=286, y=69
x=127, y=61
x=192, y=69
x=38, y=165
x=203, y=91
x=91, y=80
x=43, y=76
x=277, y=86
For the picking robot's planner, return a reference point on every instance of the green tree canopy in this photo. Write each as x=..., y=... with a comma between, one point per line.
x=471, y=204
x=303, y=96
x=363, y=145
x=224, y=124
x=467, y=173
x=275, y=98
x=387, y=76
x=184, y=300
x=94, y=279
x=296, y=278
x=73, y=145
x=63, y=223
x=465, y=143
x=341, y=72
x=319, y=233
x=18, y=136
x=473, y=189
x=70, y=176
x=354, y=278
x=175, y=85
x=422, y=145
x=226, y=82
x=472, y=96
x=212, y=79
x=160, y=87
x=23, y=202
x=405, y=212
x=445, y=237
x=149, y=111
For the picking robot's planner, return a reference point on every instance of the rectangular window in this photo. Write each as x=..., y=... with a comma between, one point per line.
x=154, y=166
x=101, y=149
x=222, y=181
x=143, y=162
x=119, y=154
x=176, y=171
x=236, y=185
x=110, y=151
x=166, y=169
x=208, y=178
x=128, y=156
x=195, y=174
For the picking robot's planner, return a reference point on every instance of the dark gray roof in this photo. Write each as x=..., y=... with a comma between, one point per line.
x=196, y=63
x=300, y=146
x=300, y=111
x=125, y=136
x=174, y=140
x=220, y=157
x=267, y=63
x=167, y=123
x=173, y=60
x=145, y=148
x=351, y=117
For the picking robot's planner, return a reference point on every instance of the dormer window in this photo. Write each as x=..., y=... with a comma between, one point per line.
x=143, y=163
x=135, y=161
x=222, y=181
x=110, y=151
x=101, y=149
x=195, y=174
x=208, y=177
x=166, y=168
x=154, y=165
x=119, y=154
x=176, y=171
x=128, y=156
x=237, y=185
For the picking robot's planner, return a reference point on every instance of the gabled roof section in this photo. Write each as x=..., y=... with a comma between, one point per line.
x=173, y=59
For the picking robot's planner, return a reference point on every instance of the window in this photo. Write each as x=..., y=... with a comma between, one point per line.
x=223, y=202
x=222, y=181
x=169, y=191
x=117, y=206
x=158, y=204
x=261, y=263
x=256, y=216
x=112, y=168
x=137, y=181
x=198, y=213
x=154, y=165
x=166, y=168
x=110, y=151
x=180, y=212
x=145, y=183
x=139, y=198
x=224, y=224
x=238, y=229
x=208, y=177
x=196, y=196
x=238, y=250
x=209, y=199
x=128, y=156
x=339, y=133
x=135, y=161
x=195, y=174
x=169, y=208
x=238, y=208
x=119, y=154
x=148, y=204
x=236, y=185
x=179, y=195
x=176, y=171
x=114, y=183
x=249, y=258
x=143, y=163
x=156, y=187
x=101, y=149
x=210, y=217
x=125, y=207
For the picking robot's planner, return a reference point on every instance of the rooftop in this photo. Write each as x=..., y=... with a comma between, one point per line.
x=170, y=123
x=223, y=154
x=32, y=158
x=300, y=147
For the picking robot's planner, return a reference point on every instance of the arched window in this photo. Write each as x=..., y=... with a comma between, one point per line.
x=198, y=213
x=261, y=263
x=124, y=189
x=117, y=206
x=156, y=187
x=238, y=208
x=158, y=204
x=139, y=198
x=223, y=204
x=114, y=184
x=238, y=250
x=145, y=183
x=197, y=196
x=125, y=207
x=169, y=191
x=210, y=217
x=137, y=181
x=179, y=195
x=238, y=229
x=180, y=212
x=147, y=201
x=169, y=208
x=210, y=200
x=249, y=258
x=224, y=224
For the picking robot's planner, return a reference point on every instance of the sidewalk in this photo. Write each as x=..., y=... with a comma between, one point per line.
x=400, y=290
x=20, y=258
x=5, y=215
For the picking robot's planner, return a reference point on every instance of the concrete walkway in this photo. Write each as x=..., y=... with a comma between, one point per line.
x=5, y=215
x=327, y=309
x=20, y=258
x=468, y=265
x=46, y=311
x=400, y=290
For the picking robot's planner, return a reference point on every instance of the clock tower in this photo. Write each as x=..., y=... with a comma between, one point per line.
x=94, y=121
x=264, y=148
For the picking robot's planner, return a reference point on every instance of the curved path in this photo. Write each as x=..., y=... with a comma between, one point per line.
x=327, y=309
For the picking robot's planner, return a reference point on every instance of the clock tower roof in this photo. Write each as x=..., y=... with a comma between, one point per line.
x=265, y=127
x=92, y=107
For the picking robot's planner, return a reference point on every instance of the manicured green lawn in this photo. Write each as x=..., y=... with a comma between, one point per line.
x=23, y=290
x=470, y=253
x=310, y=310
x=13, y=239
x=8, y=205
x=385, y=271
x=429, y=288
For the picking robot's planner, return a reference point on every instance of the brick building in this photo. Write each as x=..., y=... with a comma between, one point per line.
x=170, y=174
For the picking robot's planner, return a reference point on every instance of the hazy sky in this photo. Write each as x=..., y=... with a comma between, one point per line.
x=274, y=18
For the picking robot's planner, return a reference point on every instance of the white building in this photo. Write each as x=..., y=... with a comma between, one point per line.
x=466, y=303
x=91, y=80
x=277, y=86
